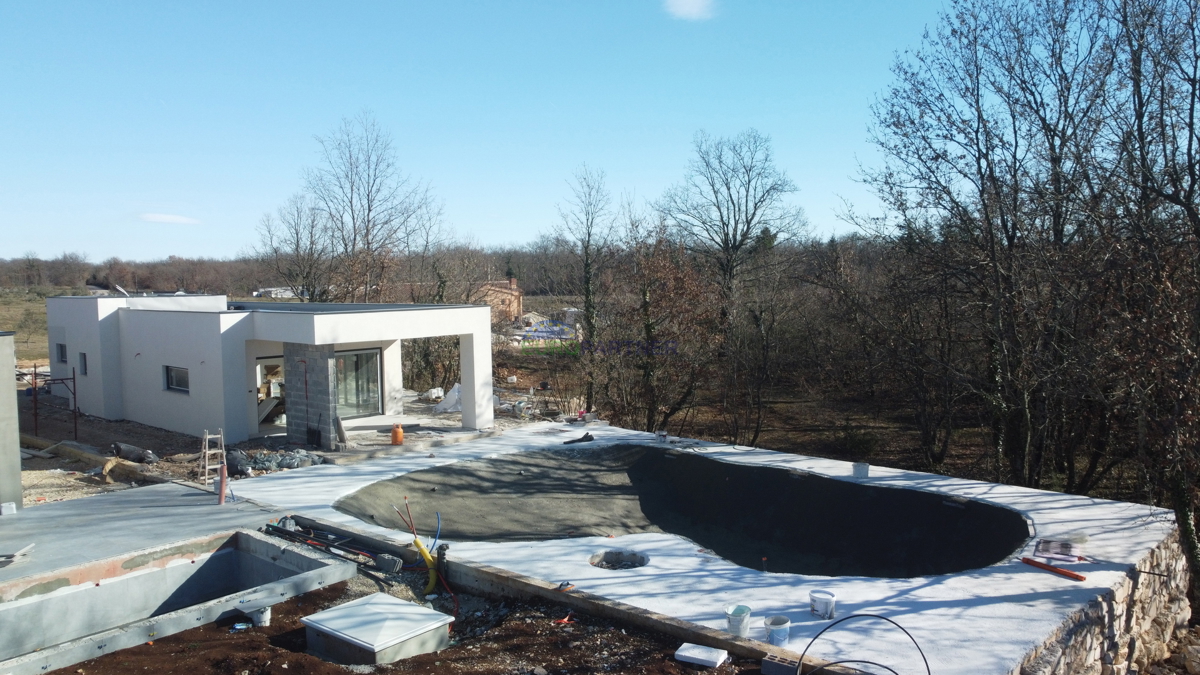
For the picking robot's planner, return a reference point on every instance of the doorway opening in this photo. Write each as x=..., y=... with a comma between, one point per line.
x=272, y=395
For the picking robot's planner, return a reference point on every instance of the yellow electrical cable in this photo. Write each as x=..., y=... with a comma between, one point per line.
x=428, y=563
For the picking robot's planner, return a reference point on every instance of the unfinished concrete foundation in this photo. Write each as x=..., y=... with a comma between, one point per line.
x=53, y=619
x=991, y=615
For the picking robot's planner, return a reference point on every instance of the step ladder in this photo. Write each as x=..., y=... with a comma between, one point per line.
x=211, y=457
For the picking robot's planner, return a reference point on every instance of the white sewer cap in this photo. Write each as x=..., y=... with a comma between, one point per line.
x=377, y=621
x=699, y=654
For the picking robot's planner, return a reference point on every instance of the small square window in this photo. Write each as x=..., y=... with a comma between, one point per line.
x=82, y=363
x=177, y=379
x=62, y=352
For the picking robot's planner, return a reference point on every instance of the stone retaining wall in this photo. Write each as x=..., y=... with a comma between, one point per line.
x=1126, y=628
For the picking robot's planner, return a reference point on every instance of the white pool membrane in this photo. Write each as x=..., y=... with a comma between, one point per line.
x=979, y=622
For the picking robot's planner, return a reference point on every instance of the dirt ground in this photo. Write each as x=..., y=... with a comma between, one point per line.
x=55, y=423
x=489, y=638
x=54, y=480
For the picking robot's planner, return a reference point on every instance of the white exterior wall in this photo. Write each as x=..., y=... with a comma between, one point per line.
x=236, y=331
x=193, y=340
x=130, y=341
x=472, y=325
x=393, y=378
x=88, y=325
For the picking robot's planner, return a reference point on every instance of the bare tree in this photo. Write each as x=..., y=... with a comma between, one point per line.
x=374, y=210
x=296, y=246
x=69, y=269
x=733, y=201
x=660, y=335
x=587, y=227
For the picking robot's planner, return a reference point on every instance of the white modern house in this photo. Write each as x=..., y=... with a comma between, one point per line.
x=194, y=362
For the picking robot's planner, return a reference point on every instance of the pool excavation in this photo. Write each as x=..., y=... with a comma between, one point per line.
x=800, y=523
x=662, y=536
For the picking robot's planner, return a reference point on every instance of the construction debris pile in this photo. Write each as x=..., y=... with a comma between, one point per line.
x=245, y=463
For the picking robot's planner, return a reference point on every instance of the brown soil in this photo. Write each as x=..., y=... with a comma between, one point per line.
x=55, y=423
x=490, y=638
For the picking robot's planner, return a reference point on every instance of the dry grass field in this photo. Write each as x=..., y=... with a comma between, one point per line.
x=24, y=312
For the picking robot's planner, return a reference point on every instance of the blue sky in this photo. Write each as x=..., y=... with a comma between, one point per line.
x=168, y=128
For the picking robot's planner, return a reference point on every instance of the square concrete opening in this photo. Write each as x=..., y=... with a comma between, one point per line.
x=58, y=618
x=376, y=629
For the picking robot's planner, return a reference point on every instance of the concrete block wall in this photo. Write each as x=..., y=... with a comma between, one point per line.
x=1126, y=628
x=310, y=372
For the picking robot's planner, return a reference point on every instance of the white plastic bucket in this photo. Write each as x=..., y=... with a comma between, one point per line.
x=822, y=603
x=737, y=620
x=778, y=628
x=861, y=469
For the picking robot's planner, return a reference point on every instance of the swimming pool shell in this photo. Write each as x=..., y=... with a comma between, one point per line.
x=800, y=523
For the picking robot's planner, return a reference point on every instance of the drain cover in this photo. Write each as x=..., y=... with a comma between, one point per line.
x=619, y=560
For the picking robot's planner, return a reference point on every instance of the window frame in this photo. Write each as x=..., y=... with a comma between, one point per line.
x=61, y=349
x=187, y=389
x=83, y=366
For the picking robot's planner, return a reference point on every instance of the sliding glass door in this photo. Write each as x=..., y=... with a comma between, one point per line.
x=357, y=388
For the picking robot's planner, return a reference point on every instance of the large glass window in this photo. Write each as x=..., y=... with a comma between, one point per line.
x=357, y=387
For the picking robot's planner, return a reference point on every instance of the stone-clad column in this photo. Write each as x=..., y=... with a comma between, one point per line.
x=309, y=373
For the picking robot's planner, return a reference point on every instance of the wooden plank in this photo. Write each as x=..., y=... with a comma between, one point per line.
x=114, y=466
x=31, y=441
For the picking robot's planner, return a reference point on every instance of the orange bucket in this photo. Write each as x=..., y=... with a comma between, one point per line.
x=397, y=434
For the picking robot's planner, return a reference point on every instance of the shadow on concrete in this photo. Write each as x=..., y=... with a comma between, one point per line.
x=800, y=523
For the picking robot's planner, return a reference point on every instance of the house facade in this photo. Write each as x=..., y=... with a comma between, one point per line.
x=505, y=298
x=191, y=363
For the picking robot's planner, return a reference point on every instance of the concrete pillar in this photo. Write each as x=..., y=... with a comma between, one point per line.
x=393, y=379
x=10, y=441
x=475, y=363
x=309, y=373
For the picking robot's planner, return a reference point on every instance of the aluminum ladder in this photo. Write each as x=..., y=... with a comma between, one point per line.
x=211, y=458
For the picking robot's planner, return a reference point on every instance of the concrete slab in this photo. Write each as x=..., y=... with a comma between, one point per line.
x=102, y=526
x=979, y=622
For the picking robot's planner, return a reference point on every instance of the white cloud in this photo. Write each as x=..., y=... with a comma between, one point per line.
x=168, y=218
x=691, y=10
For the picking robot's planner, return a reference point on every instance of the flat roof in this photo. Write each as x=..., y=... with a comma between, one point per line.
x=332, y=307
